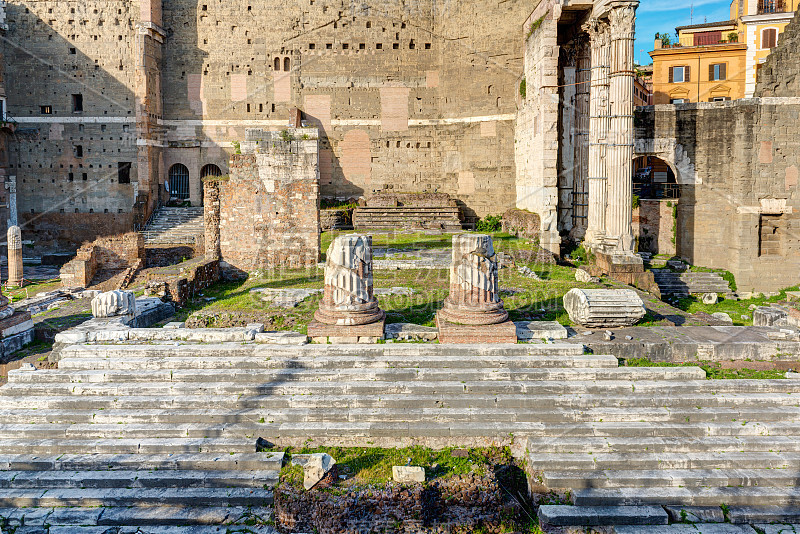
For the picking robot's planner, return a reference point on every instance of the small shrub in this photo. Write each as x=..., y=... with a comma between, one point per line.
x=535, y=25
x=237, y=147
x=286, y=136
x=523, y=88
x=635, y=201
x=490, y=223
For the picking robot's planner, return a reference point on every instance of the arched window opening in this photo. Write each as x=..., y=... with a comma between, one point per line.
x=277, y=63
x=210, y=170
x=654, y=179
x=287, y=64
x=178, y=182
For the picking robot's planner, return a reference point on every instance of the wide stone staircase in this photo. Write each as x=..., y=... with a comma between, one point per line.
x=161, y=435
x=428, y=218
x=174, y=226
x=690, y=283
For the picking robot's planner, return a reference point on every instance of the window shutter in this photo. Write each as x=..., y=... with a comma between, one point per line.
x=687, y=74
x=723, y=71
x=672, y=75
x=711, y=72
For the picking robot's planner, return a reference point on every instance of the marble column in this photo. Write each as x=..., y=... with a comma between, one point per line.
x=14, y=240
x=474, y=283
x=619, y=234
x=349, y=299
x=598, y=131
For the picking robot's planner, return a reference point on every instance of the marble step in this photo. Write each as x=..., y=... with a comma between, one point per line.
x=591, y=516
x=136, y=479
x=651, y=461
x=408, y=354
x=434, y=374
x=136, y=519
x=483, y=385
x=403, y=413
x=536, y=432
x=127, y=446
x=261, y=461
x=733, y=476
x=140, y=497
x=713, y=496
x=491, y=399
x=586, y=445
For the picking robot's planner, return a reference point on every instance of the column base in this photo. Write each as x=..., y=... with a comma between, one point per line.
x=337, y=334
x=451, y=333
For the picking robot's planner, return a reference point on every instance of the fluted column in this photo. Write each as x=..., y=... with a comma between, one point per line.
x=580, y=176
x=620, y=149
x=598, y=131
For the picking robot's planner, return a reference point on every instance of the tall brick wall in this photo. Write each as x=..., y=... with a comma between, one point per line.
x=269, y=206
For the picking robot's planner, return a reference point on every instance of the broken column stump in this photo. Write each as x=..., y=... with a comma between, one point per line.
x=14, y=240
x=474, y=312
x=604, y=308
x=349, y=311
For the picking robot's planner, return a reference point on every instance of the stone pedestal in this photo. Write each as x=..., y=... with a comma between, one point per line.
x=473, y=312
x=14, y=240
x=349, y=311
x=604, y=308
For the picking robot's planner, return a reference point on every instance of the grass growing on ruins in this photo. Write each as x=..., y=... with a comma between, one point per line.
x=30, y=290
x=714, y=370
x=739, y=310
x=364, y=466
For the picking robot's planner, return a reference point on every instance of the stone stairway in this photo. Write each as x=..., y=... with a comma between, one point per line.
x=174, y=226
x=691, y=283
x=429, y=218
x=166, y=434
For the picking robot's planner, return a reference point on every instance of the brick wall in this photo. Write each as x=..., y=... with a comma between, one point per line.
x=654, y=226
x=269, y=206
x=114, y=253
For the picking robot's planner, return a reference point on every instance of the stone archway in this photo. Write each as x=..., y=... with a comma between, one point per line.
x=673, y=154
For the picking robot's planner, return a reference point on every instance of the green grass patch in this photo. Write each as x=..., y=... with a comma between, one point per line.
x=714, y=370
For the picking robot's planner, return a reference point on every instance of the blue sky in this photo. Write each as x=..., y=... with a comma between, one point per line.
x=663, y=15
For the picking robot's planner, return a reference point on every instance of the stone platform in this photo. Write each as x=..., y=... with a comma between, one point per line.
x=339, y=334
x=505, y=332
x=694, y=343
x=16, y=331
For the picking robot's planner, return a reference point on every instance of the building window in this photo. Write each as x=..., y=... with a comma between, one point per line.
x=46, y=110
x=124, y=172
x=2, y=109
x=678, y=101
x=718, y=72
x=679, y=74
x=287, y=64
x=78, y=151
x=720, y=99
x=77, y=103
x=769, y=38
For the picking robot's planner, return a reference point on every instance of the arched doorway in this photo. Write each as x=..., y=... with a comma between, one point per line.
x=179, y=182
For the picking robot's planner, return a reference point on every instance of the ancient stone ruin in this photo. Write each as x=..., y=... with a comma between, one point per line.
x=349, y=310
x=15, y=274
x=474, y=310
x=599, y=308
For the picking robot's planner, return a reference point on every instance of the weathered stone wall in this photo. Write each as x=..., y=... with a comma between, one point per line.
x=65, y=161
x=537, y=133
x=654, y=225
x=780, y=73
x=521, y=223
x=269, y=207
x=737, y=163
x=416, y=200
x=113, y=253
x=407, y=97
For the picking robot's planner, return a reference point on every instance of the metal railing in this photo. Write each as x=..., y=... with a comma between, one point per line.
x=771, y=6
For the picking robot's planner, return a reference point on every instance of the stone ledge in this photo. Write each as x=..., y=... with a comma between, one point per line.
x=342, y=335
